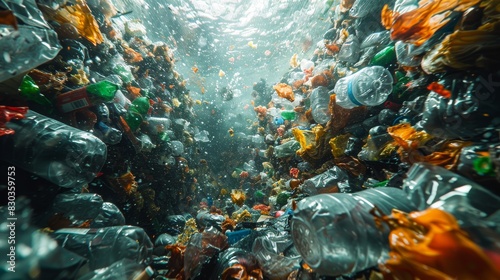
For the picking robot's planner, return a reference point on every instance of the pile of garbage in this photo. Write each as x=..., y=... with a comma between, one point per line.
x=377, y=158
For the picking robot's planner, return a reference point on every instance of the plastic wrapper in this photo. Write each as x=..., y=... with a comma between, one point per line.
x=27, y=45
x=104, y=246
x=276, y=255
x=314, y=147
x=467, y=49
x=79, y=16
x=164, y=239
x=411, y=142
x=416, y=26
x=336, y=234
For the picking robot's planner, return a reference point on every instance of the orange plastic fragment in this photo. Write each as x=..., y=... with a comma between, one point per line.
x=410, y=141
x=238, y=197
x=430, y=245
x=285, y=91
x=80, y=16
x=439, y=89
x=418, y=25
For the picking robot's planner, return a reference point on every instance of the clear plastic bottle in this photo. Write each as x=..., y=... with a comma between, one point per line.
x=370, y=86
x=320, y=100
x=336, y=234
x=64, y=155
x=287, y=149
x=350, y=50
x=104, y=246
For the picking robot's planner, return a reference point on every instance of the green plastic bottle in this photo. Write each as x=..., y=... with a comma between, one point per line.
x=30, y=90
x=288, y=115
x=136, y=112
x=103, y=90
x=384, y=57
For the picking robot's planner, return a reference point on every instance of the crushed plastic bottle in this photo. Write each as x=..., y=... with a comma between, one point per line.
x=370, y=86
x=336, y=234
x=287, y=149
x=320, y=100
x=276, y=255
x=64, y=155
x=350, y=50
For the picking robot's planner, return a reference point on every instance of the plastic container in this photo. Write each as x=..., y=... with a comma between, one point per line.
x=107, y=245
x=336, y=234
x=287, y=149
x=370, y=86
x=64, y=155
x=320, y=100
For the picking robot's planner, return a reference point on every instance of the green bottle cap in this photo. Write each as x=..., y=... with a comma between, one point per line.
x=483, y=166
x=104, y=90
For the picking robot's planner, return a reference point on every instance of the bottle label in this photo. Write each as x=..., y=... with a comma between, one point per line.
x=351, y=95
x=78, y=231
x=73, y=100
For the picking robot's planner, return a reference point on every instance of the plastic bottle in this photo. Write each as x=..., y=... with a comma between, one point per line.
x=84, y=97
x=404, y=54
x=108, y=135
x=287, y=149
x=332, y=180
x=104, y=246
x=429, y=185
x=136, y=112
x=320, y=100
x=384, y=57
x=276, y=255
x=370, y=86
x=288, y=115
x=62, y=154
x=234, y=256
x=361, y=8
x=336, y=234
x=350, y=50
x=30, y=90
